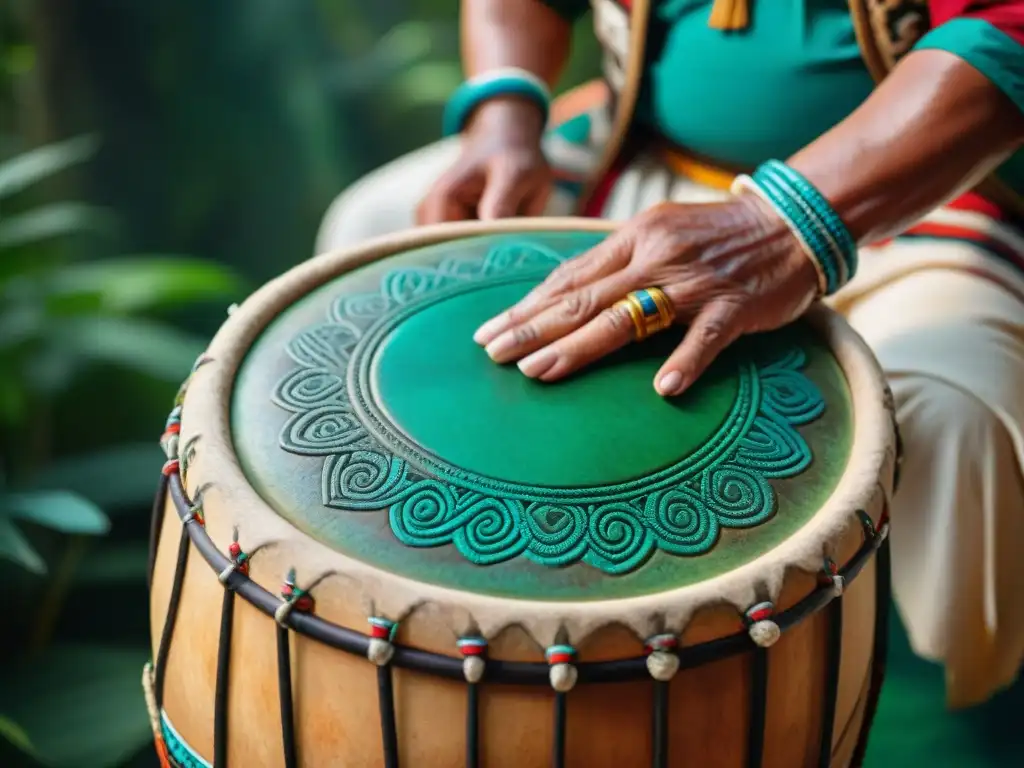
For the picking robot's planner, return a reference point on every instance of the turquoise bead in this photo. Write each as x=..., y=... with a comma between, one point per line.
x=470, y=95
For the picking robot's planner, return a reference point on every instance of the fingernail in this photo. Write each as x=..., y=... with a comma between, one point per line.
x=671, y=383
x=537, y=363
x=489, y=330
x=500, y=350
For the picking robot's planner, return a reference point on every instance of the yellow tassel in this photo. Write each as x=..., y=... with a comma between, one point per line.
x=730, y=14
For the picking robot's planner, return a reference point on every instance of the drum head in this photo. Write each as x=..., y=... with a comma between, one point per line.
x=366, y=417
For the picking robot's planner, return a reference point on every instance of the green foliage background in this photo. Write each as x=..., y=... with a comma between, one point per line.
x=159, y=160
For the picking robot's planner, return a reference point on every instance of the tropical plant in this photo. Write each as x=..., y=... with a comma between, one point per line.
x=72, y=329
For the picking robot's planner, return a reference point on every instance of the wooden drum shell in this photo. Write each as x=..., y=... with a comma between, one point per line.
x=337, y=721
x=608, y=724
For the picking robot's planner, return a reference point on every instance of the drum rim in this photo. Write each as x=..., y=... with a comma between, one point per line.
x=352, y=641
x=206, y=429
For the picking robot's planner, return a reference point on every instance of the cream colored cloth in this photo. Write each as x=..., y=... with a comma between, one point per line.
x=947, y=323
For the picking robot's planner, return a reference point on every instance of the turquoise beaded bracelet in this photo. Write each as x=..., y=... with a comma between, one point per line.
x=813, y=220
x=508, y=81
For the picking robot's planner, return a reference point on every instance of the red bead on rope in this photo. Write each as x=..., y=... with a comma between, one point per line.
x=382, y=633
x=662, y=659
x=562, y=673
x=833, y=577
x=239, y=560
x=170, y=467
x=761, y=625
x=295, y=599
x=883, y=522
x=473, y=651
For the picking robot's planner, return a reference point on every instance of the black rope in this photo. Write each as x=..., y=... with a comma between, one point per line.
x=659, y=736
x=284, y=689
x=505, y=672
x=879, y=656
x=386, y=700
x=758, y=707
x=220, y=705
x=156, y=524
x=558, y=745
x=472, y=726
x=833, y=663
x=172, y=616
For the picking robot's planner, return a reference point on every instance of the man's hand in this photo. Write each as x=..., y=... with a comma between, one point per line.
x=728, y=269
x=501, y=172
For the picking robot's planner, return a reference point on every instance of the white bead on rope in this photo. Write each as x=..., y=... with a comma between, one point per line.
x=474, y=650
x=562, y=673
x=382, y=633
x=662, y=659
x=835, y=577
x=761, y=626
x=295, y=599
x=172, y=429
x=237, y=559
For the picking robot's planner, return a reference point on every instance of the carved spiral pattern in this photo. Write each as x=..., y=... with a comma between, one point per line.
x=326, y=346
x=426, y=517
x=787, y=393
x=771, y=450
x=681, y=522
x=619, y=540
x=307, y=388
x=492, y=531
x=361, y=309
x=614, y=533
x=557, y=533
x=363, y=480
x=407, y=285
x=738, y=497
x=323, y=431
x=519, y=256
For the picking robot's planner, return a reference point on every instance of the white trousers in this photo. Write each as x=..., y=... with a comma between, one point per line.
x=946, y=321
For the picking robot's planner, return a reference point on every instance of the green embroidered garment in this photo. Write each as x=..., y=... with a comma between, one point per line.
x=367, y=416
x=738, y=98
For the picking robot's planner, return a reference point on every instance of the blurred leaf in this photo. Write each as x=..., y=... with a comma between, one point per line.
x=14, y=546
x=60, y=510
x=397, y=50
x=53, y=220
x=13, y=400
x=15, y=735
x=80, y=706
x=426, y=84
x=141, y=345
x=122, y=477
x=49, y=371
x=20, y=59
x=118, y=564
x=37, y=164
x=20, y=319
x=135, y=283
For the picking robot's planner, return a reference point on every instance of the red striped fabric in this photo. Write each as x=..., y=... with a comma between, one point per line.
x=1005, y=15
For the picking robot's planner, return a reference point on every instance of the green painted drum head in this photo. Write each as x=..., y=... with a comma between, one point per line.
x=367, y=417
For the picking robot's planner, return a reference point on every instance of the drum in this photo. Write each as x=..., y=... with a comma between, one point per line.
x=375, y=547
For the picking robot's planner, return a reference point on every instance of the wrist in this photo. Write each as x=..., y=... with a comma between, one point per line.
x=814, y=223
x=505, y=85
x=771, y=228
x=511, y=119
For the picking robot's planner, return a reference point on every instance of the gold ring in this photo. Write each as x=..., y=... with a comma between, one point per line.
x=649, y=309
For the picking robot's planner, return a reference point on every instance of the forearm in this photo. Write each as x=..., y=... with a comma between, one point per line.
x=933, y=129
x=514, y=33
